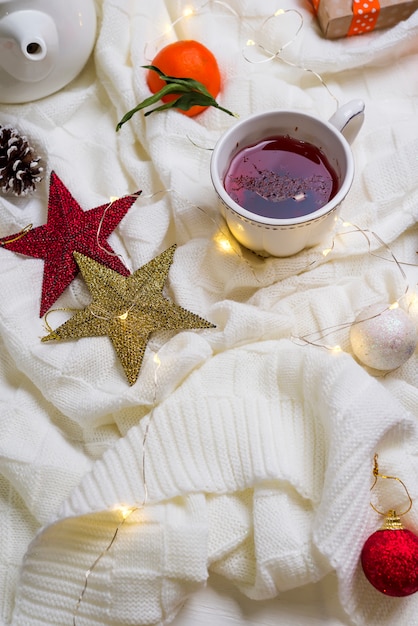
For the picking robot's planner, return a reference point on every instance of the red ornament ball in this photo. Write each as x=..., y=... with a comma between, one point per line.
x=390, y=561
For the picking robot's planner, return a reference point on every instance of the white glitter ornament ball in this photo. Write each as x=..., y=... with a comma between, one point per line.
x=386, y=338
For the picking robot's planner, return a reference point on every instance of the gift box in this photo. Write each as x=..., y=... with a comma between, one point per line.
x=344, y=18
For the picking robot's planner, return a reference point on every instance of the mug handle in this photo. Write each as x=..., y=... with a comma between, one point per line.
x=349, y=118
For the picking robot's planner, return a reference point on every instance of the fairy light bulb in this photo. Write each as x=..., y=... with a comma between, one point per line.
x=125, y=511
x=223, y=243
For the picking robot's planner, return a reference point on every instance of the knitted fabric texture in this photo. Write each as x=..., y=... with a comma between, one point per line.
x=259, y=448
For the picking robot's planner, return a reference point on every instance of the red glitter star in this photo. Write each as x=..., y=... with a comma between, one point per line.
x=69, y=228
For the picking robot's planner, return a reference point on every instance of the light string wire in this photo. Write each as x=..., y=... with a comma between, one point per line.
x=271, y=56
x=314, y=337
x=188, y=12
x=95, y=309
x=223, y=238
x=224, y=241
x=126, y=511
x=251, y=43
x=113, y=199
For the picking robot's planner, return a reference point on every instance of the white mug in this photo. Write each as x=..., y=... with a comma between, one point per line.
x=283, y=237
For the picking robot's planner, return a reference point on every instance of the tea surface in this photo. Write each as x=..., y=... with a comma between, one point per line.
x=281, y=177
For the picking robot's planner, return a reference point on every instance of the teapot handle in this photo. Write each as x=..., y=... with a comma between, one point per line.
x=349, y=118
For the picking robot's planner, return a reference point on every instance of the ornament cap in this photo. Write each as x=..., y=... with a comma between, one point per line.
x=392, y=521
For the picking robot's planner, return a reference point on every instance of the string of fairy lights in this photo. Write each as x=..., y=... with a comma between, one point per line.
x=228, y=245
x=316, y=338
x=125, y=511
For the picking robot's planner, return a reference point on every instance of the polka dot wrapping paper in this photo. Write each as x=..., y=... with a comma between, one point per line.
x=345, y=18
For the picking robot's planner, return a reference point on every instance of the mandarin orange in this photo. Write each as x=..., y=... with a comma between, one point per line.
x=186, y=59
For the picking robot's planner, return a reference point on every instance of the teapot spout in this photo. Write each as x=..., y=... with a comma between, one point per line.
x=28, y=45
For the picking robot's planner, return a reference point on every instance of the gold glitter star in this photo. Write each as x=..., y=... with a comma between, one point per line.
x=127, y=309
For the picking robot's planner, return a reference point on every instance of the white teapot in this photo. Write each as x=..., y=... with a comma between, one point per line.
x=44, y=44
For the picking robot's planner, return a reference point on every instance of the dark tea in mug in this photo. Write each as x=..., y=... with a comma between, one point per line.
x=281, y=177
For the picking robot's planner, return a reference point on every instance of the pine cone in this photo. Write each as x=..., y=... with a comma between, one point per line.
x=19, y=167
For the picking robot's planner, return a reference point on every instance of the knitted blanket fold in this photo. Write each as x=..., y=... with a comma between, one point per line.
x=254, y=478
